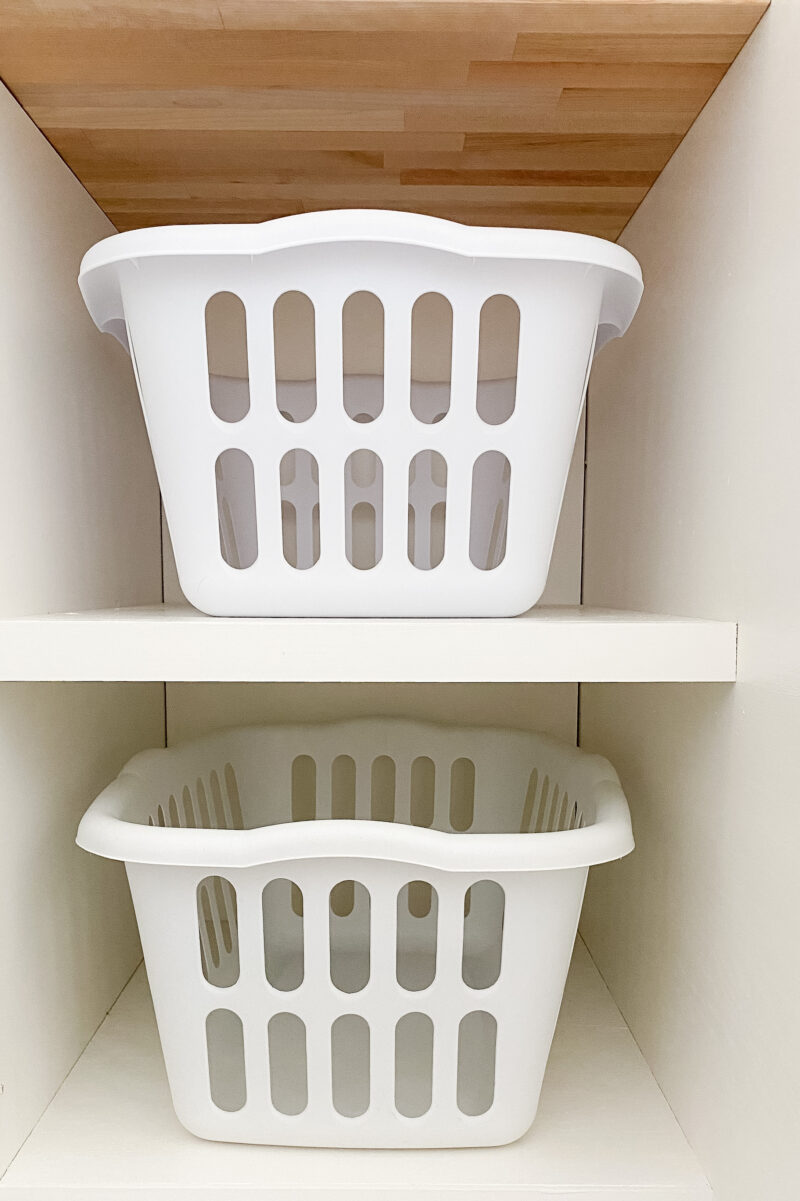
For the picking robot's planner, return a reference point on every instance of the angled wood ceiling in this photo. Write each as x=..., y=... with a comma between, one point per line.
x=511, y=112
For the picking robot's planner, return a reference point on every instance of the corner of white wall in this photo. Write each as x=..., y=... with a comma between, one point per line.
x=80, y=530
x=692, y=499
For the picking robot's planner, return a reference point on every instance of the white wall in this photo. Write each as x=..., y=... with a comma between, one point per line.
x=80, y=530
x=693, y=496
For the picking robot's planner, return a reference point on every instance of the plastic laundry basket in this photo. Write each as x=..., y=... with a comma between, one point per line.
x=416, y=466
x=358, y=934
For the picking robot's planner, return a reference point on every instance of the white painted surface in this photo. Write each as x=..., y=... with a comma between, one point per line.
x=79, y=485
x=174, y=643
x=195, y=709
x=603, y=1131
x=69, y=939
x=692, y=503
x=81, y=528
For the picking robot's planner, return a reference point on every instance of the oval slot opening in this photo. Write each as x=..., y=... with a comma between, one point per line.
x=299, y=476
x=413, y=1064
x=488, y=527
x=417, y=932
x=462, y=794
x=294, y=335
x=363, y=500
x=218, y=930
x=431, y=357
x=282, y=918
x=236, y=508
x=304, y=789
x=423, y=791
x=383, y=780
x=343, y=787
x=226, y=350
x=349, y=936
x=362, y=356
x=482, y=954
x=225, y=1050
x=288, y=1068
x=498, y=358
x=477, y=1041
x=350, y=1065
x=427, y=509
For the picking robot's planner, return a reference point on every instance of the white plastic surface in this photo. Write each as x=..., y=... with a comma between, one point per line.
x=350, y=875
x=457, y=503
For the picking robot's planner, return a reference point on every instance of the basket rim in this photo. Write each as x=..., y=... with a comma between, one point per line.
x=100, y=284
x=361, y=225
x=105, y=830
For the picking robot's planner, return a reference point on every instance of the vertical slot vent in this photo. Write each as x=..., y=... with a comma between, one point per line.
x=304, y=789
x=294, y=335
x=236, y=508
x=383, y=780
x=288, y=1067
x=423, y=791
x=218, y=930
x=226, y=349
x=350, y=1065
x=362, y=357
x=498, y=357
x=225, y=1049
x=282, y=918
x=343, y=788
x=299, y=477
x=427, y=509
x=349, y=936
x=417, y=933
x=484, y=914
x=477, y=1041
x=488, y=528
x=363, y=499
x=462, y=794
x=431, y=357
x=413, y=1064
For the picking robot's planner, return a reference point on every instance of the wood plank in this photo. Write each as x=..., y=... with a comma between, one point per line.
x=541, y=152
x=634, y=48
x=249, y=117
x=497, y=177
x=242, y=198
x=303, y=17
x=142, y=153
x=139, y=59
x=515, y=76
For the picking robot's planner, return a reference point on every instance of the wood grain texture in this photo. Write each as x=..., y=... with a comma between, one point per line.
x=553, y=113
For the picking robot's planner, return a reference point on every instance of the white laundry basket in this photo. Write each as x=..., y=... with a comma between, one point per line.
x=358, y=934
x=417, y=470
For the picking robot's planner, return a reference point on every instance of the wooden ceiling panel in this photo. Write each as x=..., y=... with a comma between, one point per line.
x=555, y=113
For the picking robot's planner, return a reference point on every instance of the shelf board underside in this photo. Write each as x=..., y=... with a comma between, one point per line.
x=543, y=114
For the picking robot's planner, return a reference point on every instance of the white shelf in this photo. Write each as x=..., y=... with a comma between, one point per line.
x=168, y=642
x=604, y=1131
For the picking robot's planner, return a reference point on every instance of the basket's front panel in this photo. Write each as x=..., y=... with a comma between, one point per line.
x=356, y=1003
x=363, y=490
